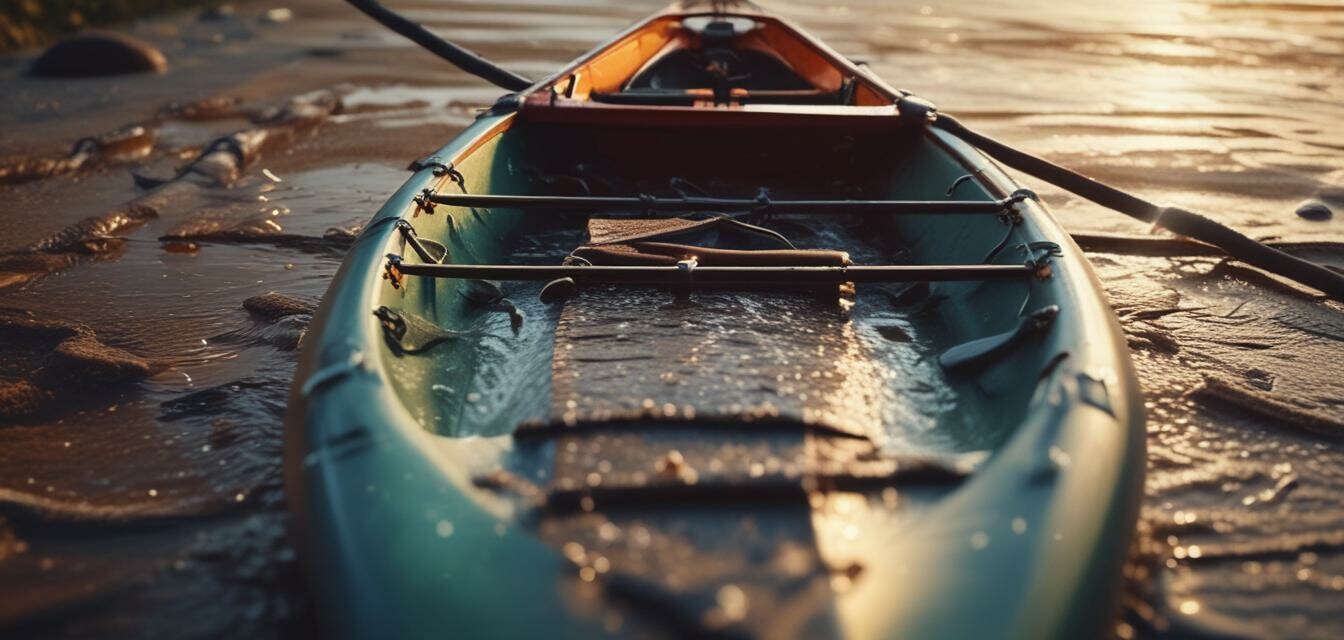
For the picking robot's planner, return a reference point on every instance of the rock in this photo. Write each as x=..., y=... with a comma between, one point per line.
x=213, y=108
x=132, y=140
x=19, y=398
x=85, y=362
x=181, y=246
x=1314, y=210
x=94, y=54
x=23, y=266
x=277, y=16
x=341, y=236
x=68, y=365
x=274, y=306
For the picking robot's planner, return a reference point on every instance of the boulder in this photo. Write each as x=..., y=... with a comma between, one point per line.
x=1314, y=210
x=98, y=53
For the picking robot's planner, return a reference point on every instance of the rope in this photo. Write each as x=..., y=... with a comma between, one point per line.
x=1177, y=220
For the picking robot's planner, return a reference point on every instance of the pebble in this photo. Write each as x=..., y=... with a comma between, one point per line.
x=1314, y=210
x=274, y=306
x=98, y=53
x=277, y=16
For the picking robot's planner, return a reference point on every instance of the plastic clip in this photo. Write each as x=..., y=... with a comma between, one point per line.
x=424, y=202
x=915, y=111
x=392, y=271
x=1042, y=253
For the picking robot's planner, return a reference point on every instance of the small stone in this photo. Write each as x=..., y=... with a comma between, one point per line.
x=1314, y=210
x=273, y=306
x=277, y=16
x=83, y=361
x=181, y=246
x=98, y=53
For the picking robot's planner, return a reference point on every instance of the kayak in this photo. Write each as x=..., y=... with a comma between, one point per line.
x=706, y=335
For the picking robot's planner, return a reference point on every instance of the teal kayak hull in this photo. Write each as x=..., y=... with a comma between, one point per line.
x=400, y=539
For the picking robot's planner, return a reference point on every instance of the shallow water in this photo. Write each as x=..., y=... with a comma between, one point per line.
x=160, y=503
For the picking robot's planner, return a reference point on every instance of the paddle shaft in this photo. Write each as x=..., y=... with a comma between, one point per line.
x=462, y=58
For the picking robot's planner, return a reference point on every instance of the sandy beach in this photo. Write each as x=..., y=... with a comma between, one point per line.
x=150, y=504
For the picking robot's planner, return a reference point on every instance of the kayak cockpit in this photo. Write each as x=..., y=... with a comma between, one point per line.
x=725, y=59
x=537, y=197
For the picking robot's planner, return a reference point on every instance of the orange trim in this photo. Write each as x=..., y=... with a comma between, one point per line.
x=607, y=68
x=503, y=125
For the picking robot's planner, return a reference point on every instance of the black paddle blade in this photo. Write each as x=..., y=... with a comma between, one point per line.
x=979, y=353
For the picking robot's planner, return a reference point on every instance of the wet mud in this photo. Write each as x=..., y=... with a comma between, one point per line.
x=153, y=310
x=51, y=363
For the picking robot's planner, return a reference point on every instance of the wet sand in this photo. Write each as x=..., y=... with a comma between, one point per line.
x=154, y=507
